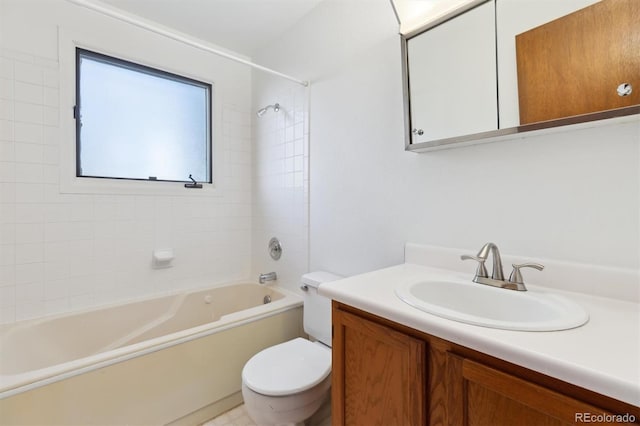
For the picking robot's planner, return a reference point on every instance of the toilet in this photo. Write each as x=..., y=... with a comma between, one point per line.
x=287, y=383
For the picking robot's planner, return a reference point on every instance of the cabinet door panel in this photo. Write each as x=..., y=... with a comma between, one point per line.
x=378, y=374
x=452, y=77
x=492, y=397
x=573, y=65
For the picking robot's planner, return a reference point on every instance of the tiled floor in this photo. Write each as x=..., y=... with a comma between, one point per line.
x=239, y=417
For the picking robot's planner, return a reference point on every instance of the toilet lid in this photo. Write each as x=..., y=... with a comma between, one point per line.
x=290, y=367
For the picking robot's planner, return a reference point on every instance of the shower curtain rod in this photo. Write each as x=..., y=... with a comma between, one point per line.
x=183, y=38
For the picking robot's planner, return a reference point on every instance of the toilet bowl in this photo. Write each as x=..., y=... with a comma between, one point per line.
x=287, y=383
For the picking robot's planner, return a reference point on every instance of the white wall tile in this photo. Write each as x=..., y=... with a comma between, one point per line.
x=274, y=179
x=51, y=136
x=17, y=55
x=54, y=271
x=68, y=231
x=27, y=92
x=6, y=109
x=28, y=153
x=7, y=233
x=7, y=296
x=56, y=251
x=51, y=116
x=7, y=254
x=28, y=73
x=29, y=273
x=29, y=310
x=29, y=213
x=29, y=293
x=7, y=192
x=51, y=97
x=7, y=171
x=6, y=88
x=79, y=285
x=8, y=314
x=50, y=154
x=61, y=252
x=7, y=275
x=55, y=306
x=80, y=301
x=29, y=233
x=29, y=253
x=56, y=288
x=29, y=193
x=57, y=212
x=28, y=113
x=50, y=173
x=6, y=130
x=7, y=213
x=28, y=132
x=6, y=68
x=51, y=78
x=29, y=173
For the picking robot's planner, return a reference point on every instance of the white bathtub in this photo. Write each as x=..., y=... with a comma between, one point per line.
x=170, y=359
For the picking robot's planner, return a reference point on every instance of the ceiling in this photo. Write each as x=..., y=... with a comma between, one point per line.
x=414, y=14
x=242, y=26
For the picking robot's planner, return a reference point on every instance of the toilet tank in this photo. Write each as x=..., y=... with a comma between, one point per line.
x=317, y=309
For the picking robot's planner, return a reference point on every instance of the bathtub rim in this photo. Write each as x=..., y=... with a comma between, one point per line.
x=14, y=384
x=137, y=299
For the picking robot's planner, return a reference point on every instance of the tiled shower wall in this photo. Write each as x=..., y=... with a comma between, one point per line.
x=281, y=179
x=62, y=252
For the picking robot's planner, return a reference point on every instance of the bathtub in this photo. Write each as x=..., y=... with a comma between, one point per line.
x=174, y=359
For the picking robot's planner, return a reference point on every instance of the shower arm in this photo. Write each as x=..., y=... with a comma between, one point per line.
x=262, y=111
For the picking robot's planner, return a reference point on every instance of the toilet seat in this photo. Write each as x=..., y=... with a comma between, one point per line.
x=288, y=368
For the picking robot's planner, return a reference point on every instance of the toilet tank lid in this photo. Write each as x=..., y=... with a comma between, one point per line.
x=313, y=279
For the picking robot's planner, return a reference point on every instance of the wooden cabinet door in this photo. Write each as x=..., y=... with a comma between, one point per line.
x=379, y=375
x=483, y=396
x=574, y=64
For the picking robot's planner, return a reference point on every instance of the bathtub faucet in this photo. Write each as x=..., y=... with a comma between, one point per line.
x=269, y=276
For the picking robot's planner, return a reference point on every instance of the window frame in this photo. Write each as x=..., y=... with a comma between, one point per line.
x=184, y=61
x=81, y=52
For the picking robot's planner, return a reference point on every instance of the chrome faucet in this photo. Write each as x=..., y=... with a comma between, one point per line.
x=269, y=276
x=515, y=281
x=497, y=273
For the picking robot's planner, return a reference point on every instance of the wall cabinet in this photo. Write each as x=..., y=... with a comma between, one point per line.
x=494, y=68
x=388, y=374
x=454, y=90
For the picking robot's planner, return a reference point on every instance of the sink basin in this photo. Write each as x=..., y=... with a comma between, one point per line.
x=493, y=307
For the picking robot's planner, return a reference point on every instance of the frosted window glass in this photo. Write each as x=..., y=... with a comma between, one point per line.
x=139, y=123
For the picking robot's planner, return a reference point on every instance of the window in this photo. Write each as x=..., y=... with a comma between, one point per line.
x=136, y=122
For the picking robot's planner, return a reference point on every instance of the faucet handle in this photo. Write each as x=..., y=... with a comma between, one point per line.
x=482, y=270
x=516, y=276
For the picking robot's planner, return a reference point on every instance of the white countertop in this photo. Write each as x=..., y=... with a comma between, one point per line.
x=603, y=355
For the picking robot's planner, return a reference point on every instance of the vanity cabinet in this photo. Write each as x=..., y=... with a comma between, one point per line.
x=388, y=374
x=491, y=397
x=381, y=379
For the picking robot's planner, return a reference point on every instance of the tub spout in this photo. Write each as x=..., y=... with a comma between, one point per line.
x=269, y=276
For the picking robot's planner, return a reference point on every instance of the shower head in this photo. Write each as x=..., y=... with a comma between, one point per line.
x=262, y=111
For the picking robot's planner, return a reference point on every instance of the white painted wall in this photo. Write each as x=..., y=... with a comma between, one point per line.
x=572, y=195
x=61, y=252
